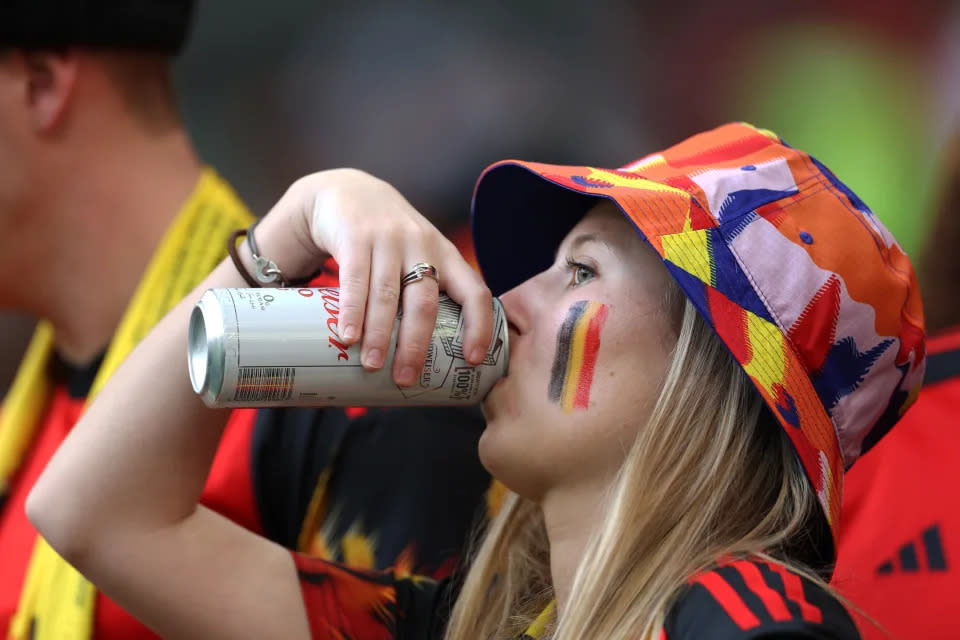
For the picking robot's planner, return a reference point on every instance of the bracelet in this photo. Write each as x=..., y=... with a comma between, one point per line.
x=266, y=270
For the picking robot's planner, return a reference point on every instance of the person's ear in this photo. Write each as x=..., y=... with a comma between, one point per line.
x=51, y=77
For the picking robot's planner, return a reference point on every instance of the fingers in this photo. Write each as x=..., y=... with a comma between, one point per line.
x=354, y=287
x=463, y=285
x=416, y=328
x=371, y=294
x=383, y=302
x=376, y=237
x=466, y=287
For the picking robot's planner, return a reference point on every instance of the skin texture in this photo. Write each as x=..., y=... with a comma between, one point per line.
x=134, y=527
x=531, y=442
x=96, y=164
x=565, y=460
x=88, y=186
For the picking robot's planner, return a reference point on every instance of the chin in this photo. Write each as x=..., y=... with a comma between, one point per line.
x=503, y=456
x=485, y=449
x=495, y=453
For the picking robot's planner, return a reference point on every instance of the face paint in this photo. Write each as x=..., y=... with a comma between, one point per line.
x=578, y=341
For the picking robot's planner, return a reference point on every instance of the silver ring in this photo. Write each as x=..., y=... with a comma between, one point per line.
x=420, y=271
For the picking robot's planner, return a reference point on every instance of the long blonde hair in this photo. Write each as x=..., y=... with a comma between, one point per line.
x=705, y=478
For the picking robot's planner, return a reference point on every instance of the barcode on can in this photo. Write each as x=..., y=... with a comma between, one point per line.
x=264, y=384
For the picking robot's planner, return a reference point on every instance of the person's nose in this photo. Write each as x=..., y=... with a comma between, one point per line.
x=521, y=304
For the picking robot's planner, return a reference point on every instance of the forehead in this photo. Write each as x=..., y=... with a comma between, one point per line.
x=608, y=224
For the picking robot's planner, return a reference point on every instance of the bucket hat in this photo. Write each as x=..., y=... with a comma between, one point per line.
x=799, y=279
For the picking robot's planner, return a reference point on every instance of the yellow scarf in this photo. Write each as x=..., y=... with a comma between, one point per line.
x=56, y=601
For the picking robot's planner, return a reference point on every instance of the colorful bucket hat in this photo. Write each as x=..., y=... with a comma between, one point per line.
x=799, y=279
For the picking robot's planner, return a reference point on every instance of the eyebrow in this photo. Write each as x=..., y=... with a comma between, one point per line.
x=582, y=239
x=585, y=238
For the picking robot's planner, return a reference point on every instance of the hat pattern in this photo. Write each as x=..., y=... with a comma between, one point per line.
x=800, y=280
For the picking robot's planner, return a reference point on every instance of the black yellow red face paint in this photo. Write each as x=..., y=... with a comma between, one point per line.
x=578, y=342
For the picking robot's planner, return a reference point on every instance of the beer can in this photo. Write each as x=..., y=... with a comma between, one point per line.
x=280, y=348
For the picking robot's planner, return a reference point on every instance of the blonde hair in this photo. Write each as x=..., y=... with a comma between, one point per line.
x=705, y=479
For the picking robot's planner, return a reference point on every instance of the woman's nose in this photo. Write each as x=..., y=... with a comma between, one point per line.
x=520, y=304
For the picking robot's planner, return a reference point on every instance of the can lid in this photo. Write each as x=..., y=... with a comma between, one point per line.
x=205, y=351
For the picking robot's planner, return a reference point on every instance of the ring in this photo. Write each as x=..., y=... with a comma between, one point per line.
x=420, y=271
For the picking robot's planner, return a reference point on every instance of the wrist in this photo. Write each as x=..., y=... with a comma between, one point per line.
x=286, y=243
x=284, y=236
x=269, y=255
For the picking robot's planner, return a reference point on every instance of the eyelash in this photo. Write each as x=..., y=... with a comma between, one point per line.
x=574, y=267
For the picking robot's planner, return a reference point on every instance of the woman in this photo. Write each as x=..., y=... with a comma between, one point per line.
x=658, y=485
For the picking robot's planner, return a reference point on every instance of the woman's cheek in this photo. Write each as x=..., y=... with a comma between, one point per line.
x=575, y=356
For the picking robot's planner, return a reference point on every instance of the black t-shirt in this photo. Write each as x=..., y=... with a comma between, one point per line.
x=755, y=599
x=742, y=600
x=373, y=488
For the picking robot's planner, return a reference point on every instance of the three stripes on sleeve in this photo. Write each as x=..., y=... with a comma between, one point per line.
x=755, y=599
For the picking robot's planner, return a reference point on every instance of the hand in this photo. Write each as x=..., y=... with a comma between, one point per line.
x=376, y=236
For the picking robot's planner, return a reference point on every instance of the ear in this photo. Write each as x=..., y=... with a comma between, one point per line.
x=51, y=77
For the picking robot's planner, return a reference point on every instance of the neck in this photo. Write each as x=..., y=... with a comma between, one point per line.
x=570, y=516
x=110, y=215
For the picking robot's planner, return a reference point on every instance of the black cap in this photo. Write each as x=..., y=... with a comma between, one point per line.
x=151, y=25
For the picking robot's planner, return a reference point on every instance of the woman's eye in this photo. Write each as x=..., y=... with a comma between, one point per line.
x=580, y=273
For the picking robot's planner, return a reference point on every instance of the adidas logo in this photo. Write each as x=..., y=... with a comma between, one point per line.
x=907, y=559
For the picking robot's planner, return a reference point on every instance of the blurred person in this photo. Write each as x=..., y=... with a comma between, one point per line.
x=900, y=544
x=701, y=342
x=16, y=329
x=107, y=218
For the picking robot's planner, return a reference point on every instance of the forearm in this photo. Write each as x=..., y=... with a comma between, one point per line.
x=119, y=499
x=139, y=457
x=140, y=454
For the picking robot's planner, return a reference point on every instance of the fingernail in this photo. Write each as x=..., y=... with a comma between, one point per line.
x=373, y=359
x=349, y=333
x=478, y=355
x=406, y=376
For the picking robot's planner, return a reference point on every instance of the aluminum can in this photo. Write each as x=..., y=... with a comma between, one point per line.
x=280, y=348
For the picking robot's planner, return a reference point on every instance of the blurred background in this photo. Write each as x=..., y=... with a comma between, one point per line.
x=426, y=97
